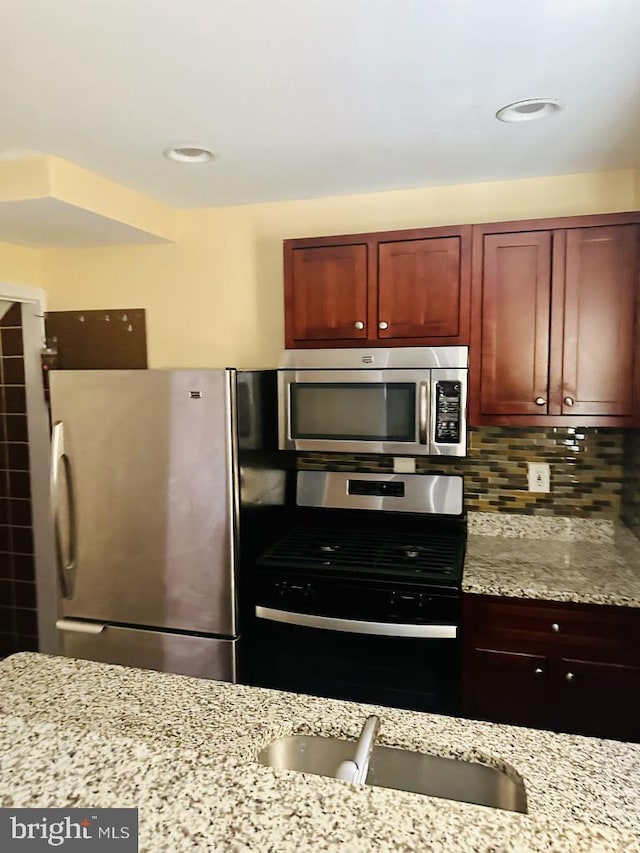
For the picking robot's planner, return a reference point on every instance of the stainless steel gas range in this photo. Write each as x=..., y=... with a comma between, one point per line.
x=361, y=598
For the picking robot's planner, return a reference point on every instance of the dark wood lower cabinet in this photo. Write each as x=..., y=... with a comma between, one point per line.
x=508, y=688
x=525, y=664
x=599, y=699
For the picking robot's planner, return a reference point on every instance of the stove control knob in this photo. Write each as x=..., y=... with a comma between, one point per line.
x=300, y=590
x=406, y=603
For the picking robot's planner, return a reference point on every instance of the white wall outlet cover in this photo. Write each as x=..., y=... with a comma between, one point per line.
x=404, y=465
x=539, y=476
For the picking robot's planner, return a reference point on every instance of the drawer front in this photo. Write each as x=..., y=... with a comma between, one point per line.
x=592, y=632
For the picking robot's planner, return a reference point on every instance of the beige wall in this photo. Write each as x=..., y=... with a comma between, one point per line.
x=214, y=298
x=21, y=265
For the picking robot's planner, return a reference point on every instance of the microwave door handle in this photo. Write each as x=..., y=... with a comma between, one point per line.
x=423, y=411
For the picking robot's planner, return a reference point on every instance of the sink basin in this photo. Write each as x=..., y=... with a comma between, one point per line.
x=401, y=769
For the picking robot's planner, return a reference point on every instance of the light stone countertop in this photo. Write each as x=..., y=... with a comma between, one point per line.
x=554, y=559
x=183, y=751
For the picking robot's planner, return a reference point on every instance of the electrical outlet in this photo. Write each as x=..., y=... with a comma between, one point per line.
x=404, y=465
x=539, y=476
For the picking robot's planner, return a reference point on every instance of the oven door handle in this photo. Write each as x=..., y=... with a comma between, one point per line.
x=359, y=626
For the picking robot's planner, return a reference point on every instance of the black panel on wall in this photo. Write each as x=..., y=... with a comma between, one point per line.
x=109, y=339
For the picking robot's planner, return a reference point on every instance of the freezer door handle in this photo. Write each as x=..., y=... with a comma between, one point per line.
x=60, y=463
x=78, y=627
x=358, y=626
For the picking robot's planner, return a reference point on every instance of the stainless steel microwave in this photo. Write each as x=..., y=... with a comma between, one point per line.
x=404, y=401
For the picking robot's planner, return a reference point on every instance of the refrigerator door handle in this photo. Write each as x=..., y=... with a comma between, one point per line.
x=79, y=627
x=59, y=460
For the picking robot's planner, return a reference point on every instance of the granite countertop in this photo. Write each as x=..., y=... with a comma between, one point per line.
x=556, y=559
x=183, y=751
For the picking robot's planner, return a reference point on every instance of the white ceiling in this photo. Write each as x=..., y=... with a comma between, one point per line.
x=306, y=98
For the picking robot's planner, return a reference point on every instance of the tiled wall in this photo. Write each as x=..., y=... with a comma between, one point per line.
x=631, y=481
x=18, y=625
x=586, y=469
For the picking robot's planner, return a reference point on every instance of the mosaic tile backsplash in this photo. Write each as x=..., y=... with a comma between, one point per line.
x=630, y=511
x=586, y=469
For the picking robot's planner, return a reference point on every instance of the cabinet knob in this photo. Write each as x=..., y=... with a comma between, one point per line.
x=540, y=401
x=569, y=401
x=555, y=628
x=538, y=671
x=383, y=324
x=569, y=676
x=359, y=324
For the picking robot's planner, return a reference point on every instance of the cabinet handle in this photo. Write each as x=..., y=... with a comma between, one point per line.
x=569, y=676
x=538, y=671
x=540, y=401
x=555, y=628
x=359, y=324
x=569, y=401
x=383, y=324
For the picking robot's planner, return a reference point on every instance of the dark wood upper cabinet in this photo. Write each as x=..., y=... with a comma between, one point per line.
x=516, y=298
x=419, y=288
x=599, y=306
x=552, y=303
x=328, y=286
x=396, y=288
x=555, y=325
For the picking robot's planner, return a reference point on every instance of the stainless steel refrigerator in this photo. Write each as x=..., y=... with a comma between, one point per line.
x=145, y=497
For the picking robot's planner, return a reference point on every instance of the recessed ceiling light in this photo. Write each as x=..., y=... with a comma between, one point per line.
x=529, y=110
x=189, y=154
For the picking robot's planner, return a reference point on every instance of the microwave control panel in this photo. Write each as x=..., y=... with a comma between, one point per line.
x=448, y=412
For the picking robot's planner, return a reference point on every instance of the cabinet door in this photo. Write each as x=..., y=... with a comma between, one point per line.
x=599, y=308
x=515, y=310
x=597, y=699
x=507, y=688
x=419, y=289
x=326, y=293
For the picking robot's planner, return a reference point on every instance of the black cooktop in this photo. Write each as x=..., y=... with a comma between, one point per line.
x=434, y=556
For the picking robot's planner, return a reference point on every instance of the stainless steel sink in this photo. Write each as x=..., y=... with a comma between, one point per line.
x=401, y=769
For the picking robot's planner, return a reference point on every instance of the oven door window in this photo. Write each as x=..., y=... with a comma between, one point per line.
x=376, y=411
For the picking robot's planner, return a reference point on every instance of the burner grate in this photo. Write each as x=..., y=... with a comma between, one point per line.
x=410, y=554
